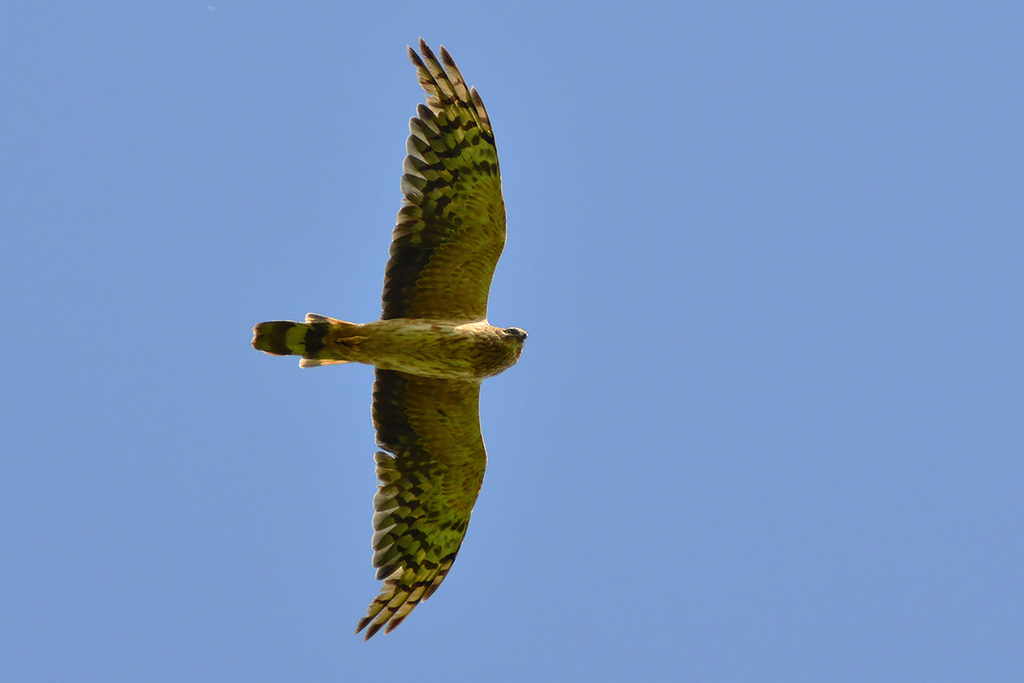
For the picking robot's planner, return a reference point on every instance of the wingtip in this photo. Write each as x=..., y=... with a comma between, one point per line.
x=446, y=58
x=371, y=631
x=427, y=53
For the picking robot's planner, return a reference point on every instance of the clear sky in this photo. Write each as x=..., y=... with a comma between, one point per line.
x=769, y=423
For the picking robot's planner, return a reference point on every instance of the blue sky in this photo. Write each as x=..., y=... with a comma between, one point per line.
x=768, y=423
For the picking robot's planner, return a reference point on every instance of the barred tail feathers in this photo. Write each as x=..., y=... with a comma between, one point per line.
x=320, y=340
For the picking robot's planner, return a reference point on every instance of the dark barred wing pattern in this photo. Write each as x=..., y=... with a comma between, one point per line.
x=430, y=468
x=451, y=227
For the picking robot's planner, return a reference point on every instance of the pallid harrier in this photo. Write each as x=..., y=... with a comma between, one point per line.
x=432, y=346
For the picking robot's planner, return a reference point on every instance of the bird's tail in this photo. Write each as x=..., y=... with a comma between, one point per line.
x=320, y=340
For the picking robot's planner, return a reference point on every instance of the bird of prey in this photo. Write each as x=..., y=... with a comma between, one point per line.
x=432, y=346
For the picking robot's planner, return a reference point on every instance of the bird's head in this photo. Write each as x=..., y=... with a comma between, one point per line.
x=515, y=333
x=514, y=337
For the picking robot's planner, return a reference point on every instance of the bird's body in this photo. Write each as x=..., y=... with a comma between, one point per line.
x=431, y=348
x=428, y=348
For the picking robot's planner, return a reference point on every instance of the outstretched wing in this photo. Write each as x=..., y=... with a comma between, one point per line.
x=451, y=227
x=430, y=468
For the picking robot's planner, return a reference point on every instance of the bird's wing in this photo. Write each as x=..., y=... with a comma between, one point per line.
x=451, y=227
x=430, y=470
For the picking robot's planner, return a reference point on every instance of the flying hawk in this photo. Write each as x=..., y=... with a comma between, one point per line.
x=432, y=346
